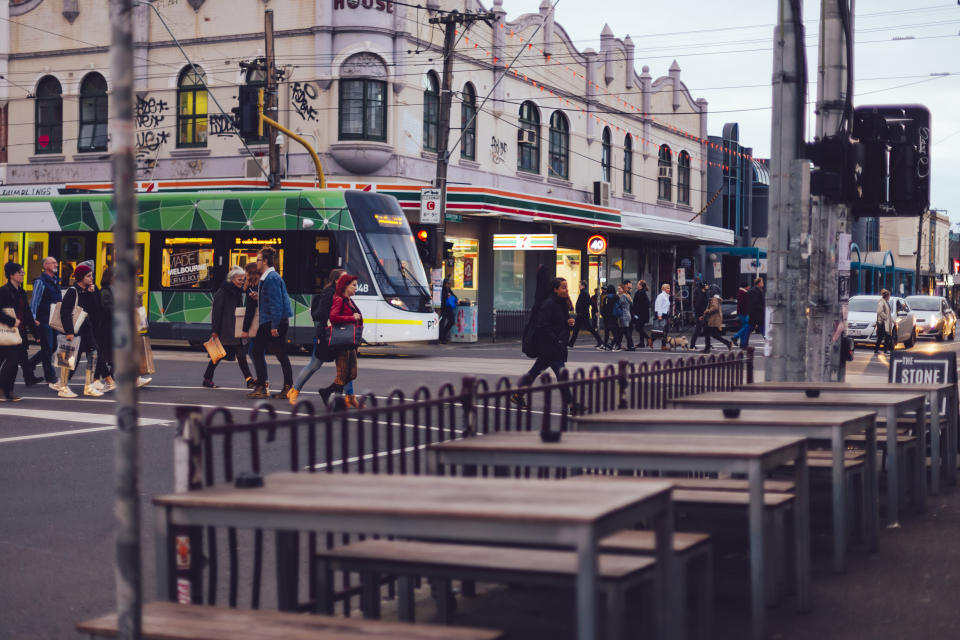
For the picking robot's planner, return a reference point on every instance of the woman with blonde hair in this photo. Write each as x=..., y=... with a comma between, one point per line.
x=223, y=324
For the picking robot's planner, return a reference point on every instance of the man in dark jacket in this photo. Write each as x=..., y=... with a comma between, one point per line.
x=641, y=312
x=583, y=317
x=13, y=297
x=46, y=291
x=699, y=306
x=757, y=307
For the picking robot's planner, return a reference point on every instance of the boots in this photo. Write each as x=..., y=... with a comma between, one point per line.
x=292, y=395
x=327, y=391
x=88, y=387
x=259, y=391
x=282, y=394
x=64, y=389
x=353, y=403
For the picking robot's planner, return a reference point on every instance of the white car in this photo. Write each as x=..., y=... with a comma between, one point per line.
x=862, y=320
x=934, y=316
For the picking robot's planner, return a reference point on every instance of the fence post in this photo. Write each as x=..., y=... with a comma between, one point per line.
x=493, y=326
x=749, y=365
x=187, y=541
x=622, y=384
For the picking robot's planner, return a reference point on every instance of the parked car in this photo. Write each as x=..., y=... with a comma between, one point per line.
x=862, y=320
x=935, y=318
x=731, y=321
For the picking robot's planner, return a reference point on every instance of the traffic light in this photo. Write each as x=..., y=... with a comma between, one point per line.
x=424, y=236
x=956, y=266
x=247, y=114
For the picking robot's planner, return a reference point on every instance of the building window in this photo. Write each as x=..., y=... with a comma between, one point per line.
x=528, y=138
x=192, y=108
x=431, y=111
x=683, y=178
x=48, y=116
x=559, y=146
x=93, y=114
x=628, y=164
x=468, y=120
x=363, y=110
x=605, y=151
x=665, y=174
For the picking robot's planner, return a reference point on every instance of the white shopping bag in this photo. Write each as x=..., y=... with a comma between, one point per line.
x=68, y=352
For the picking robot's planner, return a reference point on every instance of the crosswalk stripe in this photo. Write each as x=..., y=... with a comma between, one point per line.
x=62, y=433
x=71, y=416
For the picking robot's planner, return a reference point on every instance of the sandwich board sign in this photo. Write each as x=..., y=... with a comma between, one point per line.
x=923, y=368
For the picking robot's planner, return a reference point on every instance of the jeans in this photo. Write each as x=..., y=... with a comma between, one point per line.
x=264, y=340
x=48, y=342
x=699, y=329
x=743, y=335
x=312, y=367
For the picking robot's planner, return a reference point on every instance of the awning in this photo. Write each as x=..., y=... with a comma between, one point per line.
x=670, y=229
x=745, y=252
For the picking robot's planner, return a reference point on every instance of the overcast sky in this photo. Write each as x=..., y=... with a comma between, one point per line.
x=724, y=50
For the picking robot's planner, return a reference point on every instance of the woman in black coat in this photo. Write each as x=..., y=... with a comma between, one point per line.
x=13, y=297
x=320, y=313
x=641, y=311
x=104, y=333
x=84, y=294
x=223, y=324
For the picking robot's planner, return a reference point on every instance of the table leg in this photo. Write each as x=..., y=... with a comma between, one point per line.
x=587, y=586
x=920, y=496
x=935, y=423
x=757, y=570
x=287, y=560
x=952, y=434
x=801, y=524
x=872, y=490
x=667, y=593
x=839, y=502
x=893, y=472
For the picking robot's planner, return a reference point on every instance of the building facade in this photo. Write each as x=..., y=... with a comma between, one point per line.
x=546, y=139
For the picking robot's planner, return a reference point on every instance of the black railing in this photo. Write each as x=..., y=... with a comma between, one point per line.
x=508, y=324
x=390, y=435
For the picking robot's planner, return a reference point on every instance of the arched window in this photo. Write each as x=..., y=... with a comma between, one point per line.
x=256, y=77
x=93, y=114
x=665, y=174
x=192, y=108
x=605, y=152
x=431, y=110
x=628, y=164
x=468, y=120
x=683, y=178
x=363, y=98
x=528, y=138
x=559, y=146
x=48, y=116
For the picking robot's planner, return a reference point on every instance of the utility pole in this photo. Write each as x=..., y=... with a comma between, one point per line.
x=789, y=201
x=129, y=579
x=450, y=21
x=271, y=99
x=830, y=218
x=916, y=278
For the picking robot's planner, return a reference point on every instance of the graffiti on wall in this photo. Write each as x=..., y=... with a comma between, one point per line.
x=498, y=150
x=151, y=136
x=222, y=125
x=303, y=95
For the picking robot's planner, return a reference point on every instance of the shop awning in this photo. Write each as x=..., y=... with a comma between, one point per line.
x=743, y=252
x=670, y=229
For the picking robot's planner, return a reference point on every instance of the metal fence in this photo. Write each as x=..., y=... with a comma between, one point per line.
x=508, y=324
x=390, y=435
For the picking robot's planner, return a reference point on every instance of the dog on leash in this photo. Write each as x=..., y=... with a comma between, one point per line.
x=678, y=342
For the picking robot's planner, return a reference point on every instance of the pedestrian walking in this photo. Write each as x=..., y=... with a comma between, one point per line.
x=448, y=311
x=610, y=314
x=595, y=300
x=742, y=336
x=884, y=323
x=626, y=316
x=320, y=312
x=699, y=307
x=661, y=309
x=13, y=298
x=582, y=320
x=46, y=292
x=273, y=306
x=82, y=293
x=641, y=313
x=250, y=315
x=104, y=333
x=552, y=324
x=223, y=323
x=758, y=307
x=345, y=311
x=713, y=318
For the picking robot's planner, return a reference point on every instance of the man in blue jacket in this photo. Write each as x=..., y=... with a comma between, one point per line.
x=274, y=308
x=46, y=291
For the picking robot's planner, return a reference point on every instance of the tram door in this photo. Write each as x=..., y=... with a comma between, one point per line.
x=27, y=249
x=105, y=258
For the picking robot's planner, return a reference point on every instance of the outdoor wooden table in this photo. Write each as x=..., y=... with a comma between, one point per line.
x=891, y=404
x=542, y=513
x=938, y=395
x=833, y=426
x=753, y=456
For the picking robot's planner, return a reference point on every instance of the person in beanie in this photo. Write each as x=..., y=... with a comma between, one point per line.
x=223, y=324
x=83, y=294
x=46, y=292
x=275, y=311
x=345, y=311
x=12, y=297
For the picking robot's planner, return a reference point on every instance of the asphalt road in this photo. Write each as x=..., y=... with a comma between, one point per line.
x=56, y=464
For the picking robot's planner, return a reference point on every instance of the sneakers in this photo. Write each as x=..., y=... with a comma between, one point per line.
x=10, y=397
x=32, y=380
x=65, y=392
x=208, y=384
x=143, y=381
x=630, y=349
x=108, y=386
x=92, y=391
x=292, y=395
x=251, y=383
x=600, y=347
x=282, y=394
x=617, y=348
x=258, y=392
x=55, y=386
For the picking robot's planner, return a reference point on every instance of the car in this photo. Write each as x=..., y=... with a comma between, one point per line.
x=731, y=321
x=862, y=320
x=935, y=318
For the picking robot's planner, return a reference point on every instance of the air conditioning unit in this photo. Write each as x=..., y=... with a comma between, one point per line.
x=601, y=193
x=255, y=168
x=666, y=172
x=526, y=136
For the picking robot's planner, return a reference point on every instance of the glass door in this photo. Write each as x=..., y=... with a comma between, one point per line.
x=11, y=244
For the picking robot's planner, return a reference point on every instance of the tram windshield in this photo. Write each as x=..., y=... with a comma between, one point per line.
x=390, y=251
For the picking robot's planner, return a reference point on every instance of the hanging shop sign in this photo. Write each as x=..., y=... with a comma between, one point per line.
x=532, y=242
x=753, y=265
x=596, y=245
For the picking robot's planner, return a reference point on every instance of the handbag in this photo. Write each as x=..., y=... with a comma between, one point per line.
x=343, y=337
x=68, y=352
x=215, y=349
x=146, y=357
x=239, y=313
x=9, y=336
x=79, y=315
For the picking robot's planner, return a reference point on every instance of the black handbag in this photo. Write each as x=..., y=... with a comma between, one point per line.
x=342, y=337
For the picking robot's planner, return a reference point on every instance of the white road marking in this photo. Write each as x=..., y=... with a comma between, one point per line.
x=71, y=416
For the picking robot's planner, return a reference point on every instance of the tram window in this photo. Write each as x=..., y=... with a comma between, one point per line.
x=320, y=259
x=73, y=251
x=35, y=258
x=351, y=259
x=187, y=263
x=11, y=251
x=107, y=259
x=244, y=250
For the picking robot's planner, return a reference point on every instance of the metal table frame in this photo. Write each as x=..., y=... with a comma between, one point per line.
x=912, y=404
x=660, y=422
x=755, y=467
x=453, y=525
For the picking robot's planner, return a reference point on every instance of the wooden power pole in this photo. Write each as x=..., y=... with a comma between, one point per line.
x=271, y=99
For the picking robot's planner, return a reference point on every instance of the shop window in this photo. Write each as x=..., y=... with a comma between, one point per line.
x=431, y=111
x=192, y=108
x=464, y=272
x=559, y=146
x=48, y=116
x=187, y=263
x=468, y=121
x=93, y=113
x=568, y=267
x=605, y=155
x=244, y=250
x=528, y=138
x=508, y=276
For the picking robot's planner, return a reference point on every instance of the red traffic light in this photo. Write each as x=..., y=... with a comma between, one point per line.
x=423, y=235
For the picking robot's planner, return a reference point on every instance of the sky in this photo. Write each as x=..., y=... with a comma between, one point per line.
x=725, y=52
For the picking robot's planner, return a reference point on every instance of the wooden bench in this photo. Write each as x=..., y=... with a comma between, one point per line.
x=730, y=484
x=442, y=563
x=171, y=621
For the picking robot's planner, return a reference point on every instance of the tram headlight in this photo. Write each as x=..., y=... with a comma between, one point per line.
x=398, y=303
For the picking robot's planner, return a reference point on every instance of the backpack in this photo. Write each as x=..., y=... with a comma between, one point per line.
x=528, y=342
x=610, y=307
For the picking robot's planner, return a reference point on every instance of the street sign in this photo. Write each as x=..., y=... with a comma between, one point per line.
x=430, y=206
x=923, y=368
x=596, y=245
x=453, y=217
x=681, y=276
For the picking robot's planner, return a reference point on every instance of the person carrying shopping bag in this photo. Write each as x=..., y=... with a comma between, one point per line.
x=320, y=312
x=223, y=324
x=13, y=300
x=344, y=312
x=81, y=294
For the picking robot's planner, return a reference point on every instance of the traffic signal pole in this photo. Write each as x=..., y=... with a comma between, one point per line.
x=271, y=98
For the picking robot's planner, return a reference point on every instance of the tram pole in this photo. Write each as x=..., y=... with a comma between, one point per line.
x=272, y=101
x=129, y=580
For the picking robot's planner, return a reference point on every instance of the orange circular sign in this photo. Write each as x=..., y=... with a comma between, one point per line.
x=596, y=245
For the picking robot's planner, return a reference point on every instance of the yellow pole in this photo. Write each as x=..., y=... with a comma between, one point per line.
x=273, y=123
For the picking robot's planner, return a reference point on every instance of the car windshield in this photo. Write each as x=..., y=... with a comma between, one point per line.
x=388, y=243
x=863, y=304
x=924, y=303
